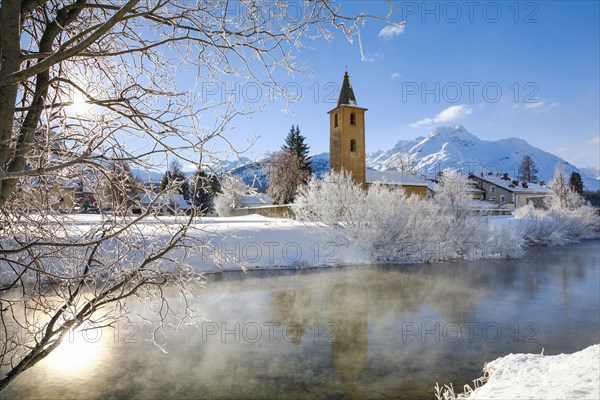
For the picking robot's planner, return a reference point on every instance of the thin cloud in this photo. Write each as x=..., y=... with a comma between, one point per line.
x=372, y=57
x=395, y=75
x=390, y=31
x=189, y=167
x=450, y=114
x=540, y=106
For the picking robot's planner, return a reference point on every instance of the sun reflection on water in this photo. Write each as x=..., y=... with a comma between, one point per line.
x=77, y=353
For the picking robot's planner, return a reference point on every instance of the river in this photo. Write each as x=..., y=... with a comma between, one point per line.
x=374, y=331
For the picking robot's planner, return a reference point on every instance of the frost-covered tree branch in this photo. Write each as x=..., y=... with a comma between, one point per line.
x=89, y=91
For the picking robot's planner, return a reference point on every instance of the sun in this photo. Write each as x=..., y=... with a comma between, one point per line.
x=80, y=104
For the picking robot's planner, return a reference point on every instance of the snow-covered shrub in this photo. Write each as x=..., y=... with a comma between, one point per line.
x=554, y=227
x=394, y=227
x=286, y=173
x=565, y=200
x=452, y=192
x=502, y=242
x=455, y=218
x=231, y=196
x=334, y=201
x=386, y=222
x=550, y=227
x=568, y=217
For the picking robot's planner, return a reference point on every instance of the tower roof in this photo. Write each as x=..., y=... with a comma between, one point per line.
x=347, y=94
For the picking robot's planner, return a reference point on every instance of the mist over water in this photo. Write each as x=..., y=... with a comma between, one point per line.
x=348, y=332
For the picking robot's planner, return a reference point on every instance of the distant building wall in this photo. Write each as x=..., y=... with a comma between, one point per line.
x=277, y=211
x=59, y=199
x=537, y=199
x=495, y=194
x=422, y=191
x=417, y=190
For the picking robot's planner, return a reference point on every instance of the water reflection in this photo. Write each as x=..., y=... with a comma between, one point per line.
x=355, y=332
x=77, y=354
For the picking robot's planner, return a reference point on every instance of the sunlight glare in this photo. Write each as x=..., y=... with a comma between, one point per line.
x=77, y=353
x=80, y=105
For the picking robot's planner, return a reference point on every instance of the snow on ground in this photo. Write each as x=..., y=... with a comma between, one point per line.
x=257, y=242
x=252, y=241
x=535, y=376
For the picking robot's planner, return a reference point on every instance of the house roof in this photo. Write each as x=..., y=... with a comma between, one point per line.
x=346, y=93
x=257, y=200
x=508, y=185
x=176, y=199
x=399, y=178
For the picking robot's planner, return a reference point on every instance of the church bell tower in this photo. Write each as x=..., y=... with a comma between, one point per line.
x=347, y=136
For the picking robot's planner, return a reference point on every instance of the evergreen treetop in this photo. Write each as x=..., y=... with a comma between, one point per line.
x=576, y=183
x=295, y=143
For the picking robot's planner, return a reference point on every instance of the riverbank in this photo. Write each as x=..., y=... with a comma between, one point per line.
x=535, y=376
x=256, y=242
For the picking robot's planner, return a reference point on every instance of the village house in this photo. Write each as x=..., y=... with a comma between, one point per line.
x=411, y=183
x=510, y=193
x=172, y=203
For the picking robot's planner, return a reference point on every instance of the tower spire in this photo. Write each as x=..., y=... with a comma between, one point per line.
x=346, y=94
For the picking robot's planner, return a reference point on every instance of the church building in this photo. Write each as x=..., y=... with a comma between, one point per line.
x=347, y=136
x=347, y=150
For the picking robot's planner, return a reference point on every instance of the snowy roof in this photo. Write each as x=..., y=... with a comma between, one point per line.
x=147, y=198
x=508, y=185
x=78, y=184
x=400, y=178
x=178, y=200
x=257, y=199
x=72, y=184
x=475, y=190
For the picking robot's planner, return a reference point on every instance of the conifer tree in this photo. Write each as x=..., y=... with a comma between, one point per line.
x=204, y=187
x=174, y=177
x=575, y=183
x=295, y=143
x=528, y=170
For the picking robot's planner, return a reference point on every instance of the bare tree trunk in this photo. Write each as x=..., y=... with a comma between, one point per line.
x=10, y=50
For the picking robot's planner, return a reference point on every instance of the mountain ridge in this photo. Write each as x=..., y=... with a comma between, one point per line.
x=456, y=147
x=444, y=146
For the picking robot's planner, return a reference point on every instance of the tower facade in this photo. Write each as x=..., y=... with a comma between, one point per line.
x=347, y=136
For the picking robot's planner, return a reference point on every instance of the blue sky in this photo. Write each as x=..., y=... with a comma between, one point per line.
x=501, y=69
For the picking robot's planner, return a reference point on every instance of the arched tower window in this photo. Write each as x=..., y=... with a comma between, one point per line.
x=353, y=146
x=335, y=120
x=352, y=119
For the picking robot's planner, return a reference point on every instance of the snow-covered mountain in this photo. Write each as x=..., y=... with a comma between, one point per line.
x=219, y=167
x=591, y=171
x=443, y=147
x=147, y=176
x=458, y=148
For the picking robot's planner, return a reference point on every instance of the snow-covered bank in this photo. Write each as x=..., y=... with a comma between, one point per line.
x=257, y=242
x=535, y=376
x=216, y=244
